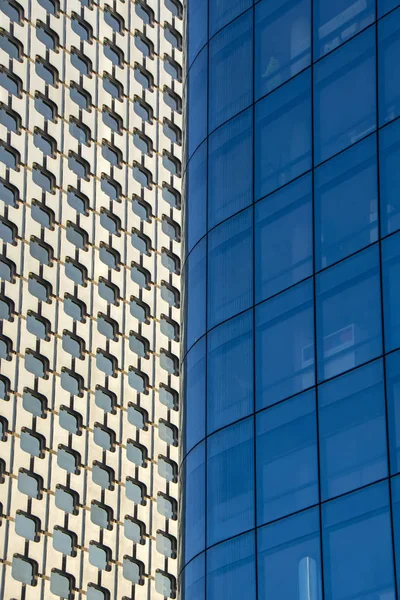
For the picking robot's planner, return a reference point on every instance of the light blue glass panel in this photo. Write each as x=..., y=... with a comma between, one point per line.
x=348, y=314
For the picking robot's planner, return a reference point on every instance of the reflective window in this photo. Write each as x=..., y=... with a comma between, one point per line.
x=231, y=569
x=346, y=203
x=192, y=579
x=393, y=400
x=195, y=294
x=385, y=6
x=197, y=17
x=197, y=102
x=230, y=189
x=230, y=71
x=285, y=345
x=283, y=135
x=389, y=159
x=352, y=430
x=286, y=458
x=390, y=280
x=348, y=314
x=283, y=238
x=230, y=372
x=336, y=22
x=230, y=268
x=340, y=118
x=389, y=72
x=224, y=11
x=289, y=558
x=282, y=42
x=230, y=482
x=195, y=394
x=357, y=546
x=194, y=502
x=395, y=485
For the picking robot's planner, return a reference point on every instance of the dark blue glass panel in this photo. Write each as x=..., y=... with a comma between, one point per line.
x=230, y=168
x=195, y=395
x=389, y=67
x=231, y=83
x=393, y=401
x=224, y=11
x=196, y=198
x=197, y=102
x=341, y=118
x=391, y=290
x=357, y=546
x=230, y=372
x=194, y=506
x=338, y=21
x=349, y=314
x=197, y=27
x=389, y=160
x=193, y=585
x=231, y=570
x=352, y=430
x=283, y=135
x=289, y=558
x=282, y=42
x=195, y=294
x=286, y=458
x=283, y=238
x=385, y=6
x=346, y=203
x=230, y=481
x=230, y=279
x=396, y=525
x=285, y=345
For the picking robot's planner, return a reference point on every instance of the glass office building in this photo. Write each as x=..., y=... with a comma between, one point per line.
x=90, y=229
x=291, y=360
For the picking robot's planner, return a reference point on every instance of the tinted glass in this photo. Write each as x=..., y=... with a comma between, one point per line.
x=196, y=294
x=348, y=314
x=230, y=481
x=389, y=157
x=230, y=189
x=391, y=282
x=385, y=6
x=229, y=268
x=196, y=200
x=193, y=579
x=283, y=238
x=224, y=11
x=393, y=399
x=194, y=502
x=286, y=458
x=282, y=42
x=352, y=430
x=395, y=485
x=340, y=118
x=197, y=102
x=195, y=393
x=230, y=71
x=197, y=11
x=285, y=345
x=389, y=70
x=283, y=135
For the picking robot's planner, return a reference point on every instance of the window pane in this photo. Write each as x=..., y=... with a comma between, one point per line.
x=389, y=160
x=346, y=203
x=285, y=345
x=340, y=118
x=357, y=545
x=287, y=466
x=194, y=503
x=196, y=198
x=230, y=189
x=193, y=580
x=230, y=482
x=389, y=70
x=283, y=135
x=336, y=22
x=230, y=71
x=231, y=570
x=197, y=102
x=197, y=17
x=348, y=314
x=352, y=431
x=283, y=238
x=393, y=399
x=385, y=6
x=195, y=395
x=390, y=280
x=396, y=524
x=195, y=294
x=229, y=268
x=282, y=42
x=230, y=372
x=224, y=11
x=289, y=558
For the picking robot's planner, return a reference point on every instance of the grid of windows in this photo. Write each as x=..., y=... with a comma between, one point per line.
x=291, y=343
x=90, y=172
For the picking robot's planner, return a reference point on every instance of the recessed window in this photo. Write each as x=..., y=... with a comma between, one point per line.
x=8, y=231
x=171, y=195
x=112, y=86
x=138, y=381
x=43, y=178
x=139, y=309
x=109, y=291
x=138, y=416
x=72, y=382
x=81, y=27
x=111, y=187
x=99, y=556
x=143, y=142
x=13, y=10
x=37, y=364
x=139, y=344
x=142, y=175
x=110, y=222
x=9, y=193
x=133, y=570
x=11, y=45
x=77, y=236
x=32, y=443
x=172, y=99
x=50, y=6
x=46, y=71
x=105, y=399
x=42, y=251
x=141, y=208
x=106, y=362
x=42, y=214
x=170, y=261
x=140, y=275
x=5, y=388
x=75, y=308
x=9, y=156
x=80, y=96
x=144, y=12
x=112, y=120
x=10, y=82
x=67, y=499
x=170, y=294
x=68, y=459
x=175, y=7
x=172, y=131
x=77, y=200
x=104, y=437
x=171, y=163
x=173, y=68
x=24, y=569
x=73, y=344
x=143, y=77
x=34, y=403
x=140, y=241
x=166, y=544
x=40, y=288
x=46, y=107
x=76, y=272
x=143, y=44
x=30, y=484
x=79, y=131
x=167, y=432
x=167, y=469
x=27, y=526
x=8, y=269
x=44, y=142
x=96, y=592
x=172, y=36
x=70, y=420
x=61, y=584
x=10, y=118
x=101, y=515
x=81, y=62
x=143, y=109
x=47, y=36
x=113, y=53
x=112, y=154
x=165, y=584
x=38, y=325
x=134, y=530
x=3, y=429
x=7, y=308
x=135, y=491
x=115, y=21
x=169, y=327
x=78, y=165
x=103, y=476
x=167, y=506
x=107, y=326
x=169, y=362
x=64, y=541
x=171, y=228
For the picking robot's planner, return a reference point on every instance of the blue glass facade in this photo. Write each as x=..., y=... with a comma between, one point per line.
x=291, y=360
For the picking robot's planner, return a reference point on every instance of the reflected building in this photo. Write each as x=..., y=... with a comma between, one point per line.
x=291, y=355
